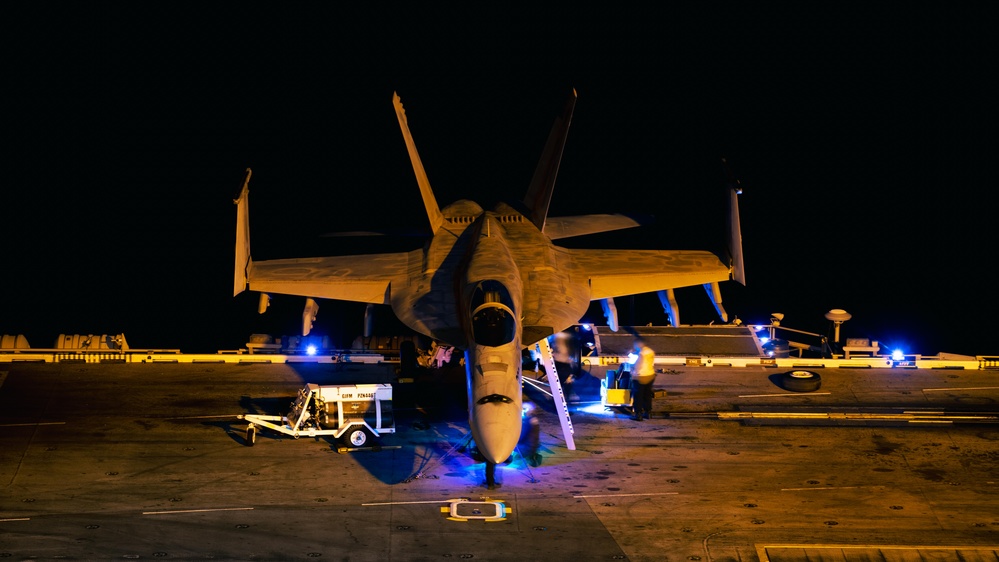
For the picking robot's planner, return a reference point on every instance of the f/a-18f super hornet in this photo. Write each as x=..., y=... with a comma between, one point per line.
x=493, y=283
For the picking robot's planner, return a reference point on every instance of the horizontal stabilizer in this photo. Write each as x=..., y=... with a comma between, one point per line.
x=567, y=227
x=404, y=233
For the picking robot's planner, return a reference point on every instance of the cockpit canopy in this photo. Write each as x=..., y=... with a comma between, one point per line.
x=494, y=322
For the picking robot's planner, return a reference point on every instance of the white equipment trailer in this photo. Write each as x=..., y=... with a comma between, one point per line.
x=352, y=413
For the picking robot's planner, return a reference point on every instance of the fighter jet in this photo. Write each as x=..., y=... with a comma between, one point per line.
x=491, y=283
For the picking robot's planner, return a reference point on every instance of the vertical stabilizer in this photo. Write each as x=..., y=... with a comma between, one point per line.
x=242, y=236
x=539, y=194
x=433, y=211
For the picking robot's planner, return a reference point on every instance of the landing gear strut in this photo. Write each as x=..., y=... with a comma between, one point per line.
x=490, y=475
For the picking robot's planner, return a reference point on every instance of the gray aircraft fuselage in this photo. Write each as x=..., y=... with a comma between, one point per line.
x=490, y=282
x=498, y=270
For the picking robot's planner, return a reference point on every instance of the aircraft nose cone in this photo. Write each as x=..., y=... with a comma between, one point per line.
x=498, y=427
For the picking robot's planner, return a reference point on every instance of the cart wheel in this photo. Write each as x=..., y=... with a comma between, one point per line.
x=251, y=435
x=357, y=437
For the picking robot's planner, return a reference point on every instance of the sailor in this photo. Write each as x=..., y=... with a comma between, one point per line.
x=532, y=435
x=643, y=375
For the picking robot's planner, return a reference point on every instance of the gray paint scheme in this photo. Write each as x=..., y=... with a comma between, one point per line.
x=428, y=289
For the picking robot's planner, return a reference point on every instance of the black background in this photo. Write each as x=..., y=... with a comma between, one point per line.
x=864, y=139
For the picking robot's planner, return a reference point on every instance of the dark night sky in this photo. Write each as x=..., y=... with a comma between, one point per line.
x=864, y=140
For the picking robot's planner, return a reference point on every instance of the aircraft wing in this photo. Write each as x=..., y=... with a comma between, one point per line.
x=615, y=273
x=364, y=278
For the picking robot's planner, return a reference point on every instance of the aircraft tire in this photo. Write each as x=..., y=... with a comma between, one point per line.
x=801, y=381
x=357, y=437
x=251, y=436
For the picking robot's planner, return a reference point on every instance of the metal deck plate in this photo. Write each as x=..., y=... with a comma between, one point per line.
x=484, y=510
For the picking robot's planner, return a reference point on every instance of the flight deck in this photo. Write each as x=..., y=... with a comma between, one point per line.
x=149, y=460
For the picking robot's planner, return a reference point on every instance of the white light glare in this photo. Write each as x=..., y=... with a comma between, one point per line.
x=310, y=350
x=897, y=355
x=597, y=409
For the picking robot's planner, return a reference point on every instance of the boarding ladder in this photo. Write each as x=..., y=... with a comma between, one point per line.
x=548, y=362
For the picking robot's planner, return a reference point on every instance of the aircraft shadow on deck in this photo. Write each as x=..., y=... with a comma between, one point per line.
x=431, y=422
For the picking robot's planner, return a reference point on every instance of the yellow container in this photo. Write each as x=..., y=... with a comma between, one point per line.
x=618, y=396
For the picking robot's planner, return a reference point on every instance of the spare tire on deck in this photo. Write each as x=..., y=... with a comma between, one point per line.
x=800, y=380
